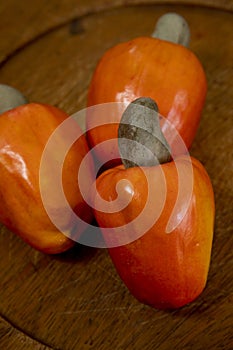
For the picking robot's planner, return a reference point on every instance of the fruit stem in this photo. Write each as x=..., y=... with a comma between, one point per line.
x=140, y=139
x=172, y=27
x=10, y=98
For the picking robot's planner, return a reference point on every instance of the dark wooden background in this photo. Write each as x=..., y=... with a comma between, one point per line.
x=48, y=50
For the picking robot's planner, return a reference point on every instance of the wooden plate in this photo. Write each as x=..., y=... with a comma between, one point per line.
x=76, y=300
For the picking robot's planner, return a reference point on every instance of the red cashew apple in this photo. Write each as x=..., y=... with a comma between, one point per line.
x=24, y=133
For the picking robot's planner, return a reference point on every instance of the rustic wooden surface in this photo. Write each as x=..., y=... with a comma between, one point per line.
x=48, y=50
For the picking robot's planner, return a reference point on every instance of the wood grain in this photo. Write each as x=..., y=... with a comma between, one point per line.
x=12, y=338
x=76, y=300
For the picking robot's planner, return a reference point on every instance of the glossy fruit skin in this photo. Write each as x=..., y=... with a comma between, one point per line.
x=168, y=73
x=163, y=270
x=24, y=132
